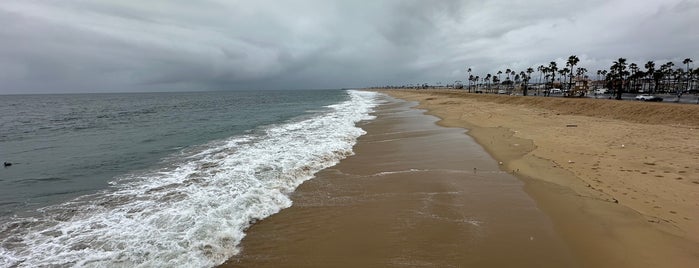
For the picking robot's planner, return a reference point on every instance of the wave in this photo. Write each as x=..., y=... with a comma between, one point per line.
x=195, y=211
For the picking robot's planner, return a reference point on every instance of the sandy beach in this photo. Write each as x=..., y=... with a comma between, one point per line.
x=529, y=186
x=414, y=194
x=619, y=179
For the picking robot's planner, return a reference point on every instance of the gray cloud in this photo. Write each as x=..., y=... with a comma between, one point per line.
x=128, y=45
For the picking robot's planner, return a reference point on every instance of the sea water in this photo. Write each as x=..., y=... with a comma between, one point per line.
x=159, y=179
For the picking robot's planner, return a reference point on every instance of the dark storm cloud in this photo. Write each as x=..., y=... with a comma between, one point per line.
x=109, y=45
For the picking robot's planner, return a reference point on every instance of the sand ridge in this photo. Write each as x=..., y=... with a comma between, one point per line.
x=681, y=115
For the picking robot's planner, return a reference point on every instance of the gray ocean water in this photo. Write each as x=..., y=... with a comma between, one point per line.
x=63, y=146
x=159, y=179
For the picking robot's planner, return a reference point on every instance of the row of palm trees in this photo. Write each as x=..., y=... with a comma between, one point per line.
x=545, y=72
x=665, y=79
x=621, y=77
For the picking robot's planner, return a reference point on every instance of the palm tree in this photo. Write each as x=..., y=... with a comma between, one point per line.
x=552, y=69
x=543, y=71
x=470, y=78
x=650, y=73
x=526, y=79
x=695, y=73
x=666, y=69
x=580, y=72
x=687, y=61
x=509, y=72
x=691, y=77
x=669, y=74
x=487, y=81
x=604, y=77
x=599, y=75
x=563, y=73
x=572, y=61
x=634, y=73
x=678, y=73
x=499, y=73
x=618, y=72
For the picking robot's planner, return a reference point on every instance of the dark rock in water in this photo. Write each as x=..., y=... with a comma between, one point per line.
x=7, y=164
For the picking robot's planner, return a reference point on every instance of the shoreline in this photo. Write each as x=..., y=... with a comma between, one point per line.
x=632, y=205
x=413, y=194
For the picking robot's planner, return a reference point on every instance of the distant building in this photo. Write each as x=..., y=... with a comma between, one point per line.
x=579, y=87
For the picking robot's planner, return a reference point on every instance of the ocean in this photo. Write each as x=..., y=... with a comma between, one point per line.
x=159, y=179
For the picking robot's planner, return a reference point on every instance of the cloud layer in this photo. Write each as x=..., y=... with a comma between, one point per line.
x=165, y=45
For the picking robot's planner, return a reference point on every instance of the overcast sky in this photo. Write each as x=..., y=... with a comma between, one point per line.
x=174, y=45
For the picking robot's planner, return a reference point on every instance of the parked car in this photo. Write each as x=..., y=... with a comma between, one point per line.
x=502, y=91
x=648, y=97
x=556, y=91
x=601, y=91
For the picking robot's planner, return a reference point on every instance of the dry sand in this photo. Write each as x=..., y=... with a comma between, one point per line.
x=619, y=179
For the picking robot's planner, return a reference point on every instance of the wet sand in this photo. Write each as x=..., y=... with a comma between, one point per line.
x=414, y=194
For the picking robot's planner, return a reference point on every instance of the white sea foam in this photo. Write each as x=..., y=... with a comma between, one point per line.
x=412, y=170
x=195, y=212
